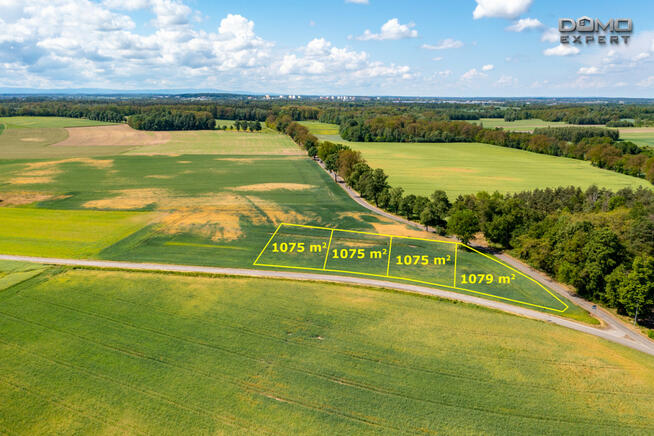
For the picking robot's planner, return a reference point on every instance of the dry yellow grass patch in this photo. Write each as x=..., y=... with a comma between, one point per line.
x=20, y=198
x=184, y=161
x=158, y=176
x=242, y=160
x=32, y=139
x=274, y=186
x=128, y=199
x=218, y=217
x=44, y=172
x=119, y=135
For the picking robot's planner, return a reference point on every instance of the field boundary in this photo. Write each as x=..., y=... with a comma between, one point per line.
x=387, y=275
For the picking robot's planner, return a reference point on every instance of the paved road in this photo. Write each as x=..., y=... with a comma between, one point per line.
x=617, y=326
x=609, y=332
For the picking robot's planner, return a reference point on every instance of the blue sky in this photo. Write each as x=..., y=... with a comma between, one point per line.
x=355, y=47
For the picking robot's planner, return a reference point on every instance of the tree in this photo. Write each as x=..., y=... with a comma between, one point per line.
x=637, y=290
x=378, y=183
x=406, y=206
x=441, y=204
x=347, y=159
x=464, y=223
x=428, y=218
x=331, y=164
x=395, y=199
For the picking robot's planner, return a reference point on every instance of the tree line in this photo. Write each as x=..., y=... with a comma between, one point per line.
x=172, y=120
x=599, y=241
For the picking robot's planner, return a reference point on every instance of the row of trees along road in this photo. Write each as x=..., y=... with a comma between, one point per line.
x=599, y=241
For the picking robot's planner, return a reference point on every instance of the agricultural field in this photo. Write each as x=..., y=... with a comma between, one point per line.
x=457, y=168
x=48, y=122
x=86, y=351
x=518, y=125
x=64, y=233
x=198, y=209
x=463, y=168
x=641, y=136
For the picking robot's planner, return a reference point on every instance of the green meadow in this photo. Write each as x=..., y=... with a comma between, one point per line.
x=48, y=122
x=99, y=352
x=64, y=233
x=466, y=167
x=518, y=125
x=642, y=136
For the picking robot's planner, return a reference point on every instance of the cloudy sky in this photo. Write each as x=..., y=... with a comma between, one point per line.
x=352, y=47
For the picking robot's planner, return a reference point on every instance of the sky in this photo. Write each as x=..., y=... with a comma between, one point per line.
x=464, y=48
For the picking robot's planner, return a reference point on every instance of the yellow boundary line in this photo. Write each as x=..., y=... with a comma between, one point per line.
x=390, y=248
x=331, y=235
x=406, y=278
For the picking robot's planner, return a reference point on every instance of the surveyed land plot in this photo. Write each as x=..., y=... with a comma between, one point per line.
x=446, y=264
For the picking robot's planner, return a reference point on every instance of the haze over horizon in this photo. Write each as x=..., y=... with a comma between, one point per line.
x=488, y=48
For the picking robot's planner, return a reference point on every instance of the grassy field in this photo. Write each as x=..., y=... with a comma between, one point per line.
x=133, y=353
x=404, y=259
x=64, y=233
x=462, y=168
x=214, y=210
x=48, y=122
x=518, y=125
x=642, y=136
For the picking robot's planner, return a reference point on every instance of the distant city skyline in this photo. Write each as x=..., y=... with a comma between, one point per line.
x=502, y=48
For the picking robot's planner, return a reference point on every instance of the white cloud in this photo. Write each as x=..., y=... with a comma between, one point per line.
x=561, y=50
x=524, y=24
x=509, y=9
x=550, y=35
x=487, y=67
x=358, y=2
x=444, y=74
x=444, y=44
x=506, y=81
x=320, y=58
x=391, y=30
x=640, y=56
x=437, y=58
x=588, y=70
x=472, y=74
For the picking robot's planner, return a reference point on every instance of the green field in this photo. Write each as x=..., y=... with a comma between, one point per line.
x=518, y=125
x=64, y=233
x=442, y=264
x=642, y=136
x=97, y=352
x=48, y=122
x=464, y=168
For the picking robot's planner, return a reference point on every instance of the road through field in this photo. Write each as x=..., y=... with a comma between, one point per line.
x=616, y=326
x=611, y=332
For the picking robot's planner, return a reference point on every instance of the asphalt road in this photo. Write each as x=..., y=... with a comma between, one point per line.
x=610, y=331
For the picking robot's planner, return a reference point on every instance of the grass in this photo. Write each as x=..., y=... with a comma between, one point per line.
x=12, y=273
x=464, y=168
x=48, y=122
x=519, y=125
x=64, y=233
x=445, y=265
x=135, y=353
x=642, y=136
